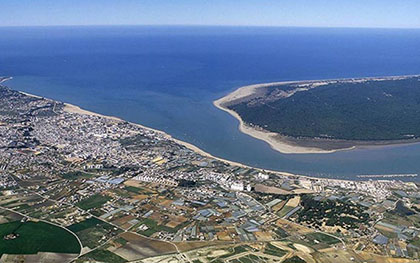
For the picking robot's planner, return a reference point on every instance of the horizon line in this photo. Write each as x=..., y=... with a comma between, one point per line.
x=209, y=25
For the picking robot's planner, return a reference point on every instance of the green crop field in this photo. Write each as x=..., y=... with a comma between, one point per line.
x=92, y=230
x=294, y=259
x=76, y=175
x=88, y=223
x=154, y=227
x=323, y=238
x=34, y=237
x=93, y=201
x=138, y=190
x=102, y=256
x=274, y=251
x=286, y=209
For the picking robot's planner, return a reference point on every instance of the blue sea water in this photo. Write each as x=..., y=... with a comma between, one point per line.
x=167, y=78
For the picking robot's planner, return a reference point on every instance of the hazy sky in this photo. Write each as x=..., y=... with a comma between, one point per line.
x=317, y=13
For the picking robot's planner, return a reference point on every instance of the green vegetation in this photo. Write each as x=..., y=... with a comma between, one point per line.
x=332, y=213
x=75, y=175
x=323, y=238
x=153, y=227
x=240, y=249
x=248, y=259
x=103, y=256
x=34, y=237
x=294, y=259
x=92, y=230
x=396, y=219
x=121, y=241
x=138, y=190
x=88, y=223
x=286, y=209
x=388, y=234
x=371, y=110
x=121, y=193
x=94, y=201
x=274, y=251
x=235, y=250
x=134, y=140
x=415, y=219
x=281, y=233
x=415, y=242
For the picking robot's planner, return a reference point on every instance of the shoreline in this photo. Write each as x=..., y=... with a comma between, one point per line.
x=268, y=137
x=275, y=140
x=70, y=108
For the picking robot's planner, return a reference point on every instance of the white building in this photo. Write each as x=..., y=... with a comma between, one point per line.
x=237, y=186
x=262, y=176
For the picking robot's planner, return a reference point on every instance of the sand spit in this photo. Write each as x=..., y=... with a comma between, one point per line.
x=270, y=137
x=281, y=143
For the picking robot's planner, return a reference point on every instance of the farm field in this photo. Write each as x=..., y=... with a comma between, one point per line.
x=94, y=201
x=34, y=237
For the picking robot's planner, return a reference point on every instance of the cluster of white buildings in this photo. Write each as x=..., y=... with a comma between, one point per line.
x=157, y=180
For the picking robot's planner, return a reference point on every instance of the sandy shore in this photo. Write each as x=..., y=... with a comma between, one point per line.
x=75, y=109
x=70, y=108
x=270, y=137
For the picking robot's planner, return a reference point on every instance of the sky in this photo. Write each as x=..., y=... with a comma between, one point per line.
x=301, y=13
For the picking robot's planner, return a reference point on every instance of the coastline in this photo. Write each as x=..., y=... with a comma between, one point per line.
x=269, y=137
x=70, y=108
x=280, y=143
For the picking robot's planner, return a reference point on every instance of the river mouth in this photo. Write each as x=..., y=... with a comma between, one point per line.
x=171, y=85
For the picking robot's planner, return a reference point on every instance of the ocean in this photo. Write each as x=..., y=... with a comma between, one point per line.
x=167, y=77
